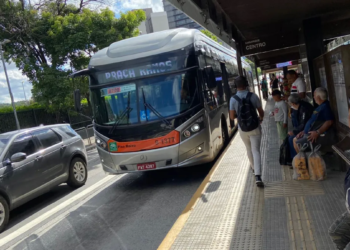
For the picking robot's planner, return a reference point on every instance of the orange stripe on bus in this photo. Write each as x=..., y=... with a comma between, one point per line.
x=121, y=147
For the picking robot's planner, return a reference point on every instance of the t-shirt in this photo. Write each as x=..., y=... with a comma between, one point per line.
x=321, y=113
x=281, y=112
x=234, y=105
x=275, y=84
x=299, y=86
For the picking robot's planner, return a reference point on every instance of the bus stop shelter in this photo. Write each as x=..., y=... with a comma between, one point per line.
x=271, y=31
x=229, y=212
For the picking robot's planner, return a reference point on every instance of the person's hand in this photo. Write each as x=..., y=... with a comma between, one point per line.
x=285, y=125
x=301, y=134
x=313, y=135
x=290, y=133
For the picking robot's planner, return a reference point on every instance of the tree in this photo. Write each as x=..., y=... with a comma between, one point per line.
x=210, y=35
x=53, y=38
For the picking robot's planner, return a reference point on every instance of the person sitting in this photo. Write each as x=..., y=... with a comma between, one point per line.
x=317, y=129
x=301, y=113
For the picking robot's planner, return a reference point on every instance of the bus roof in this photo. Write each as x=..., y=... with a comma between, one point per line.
x=153, y=44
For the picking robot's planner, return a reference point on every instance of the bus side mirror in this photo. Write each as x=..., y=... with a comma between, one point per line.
x=77, y=100
x=210, y=77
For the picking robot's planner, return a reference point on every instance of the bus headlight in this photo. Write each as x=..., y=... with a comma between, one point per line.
x=193, y=129
x=101, y=143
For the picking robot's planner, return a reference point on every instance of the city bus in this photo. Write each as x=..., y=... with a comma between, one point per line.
x=161, y=100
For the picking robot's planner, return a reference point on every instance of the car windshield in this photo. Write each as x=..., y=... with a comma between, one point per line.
x=168, y=95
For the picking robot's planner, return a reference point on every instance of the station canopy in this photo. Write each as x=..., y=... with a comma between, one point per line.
x=269, y=30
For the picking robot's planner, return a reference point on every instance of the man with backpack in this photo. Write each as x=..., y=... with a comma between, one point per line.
x=243, y=106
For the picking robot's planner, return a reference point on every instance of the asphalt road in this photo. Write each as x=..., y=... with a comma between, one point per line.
x=132, y=211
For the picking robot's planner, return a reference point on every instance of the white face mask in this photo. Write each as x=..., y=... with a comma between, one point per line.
x=294, y=108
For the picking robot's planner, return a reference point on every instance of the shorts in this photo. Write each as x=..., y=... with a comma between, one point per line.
x=282, y=132
x=303, y=140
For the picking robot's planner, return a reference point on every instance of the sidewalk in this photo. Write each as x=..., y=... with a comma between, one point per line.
x=232, y=213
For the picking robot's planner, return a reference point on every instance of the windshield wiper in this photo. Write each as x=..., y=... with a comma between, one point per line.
x=125, y=112
x=149, y=106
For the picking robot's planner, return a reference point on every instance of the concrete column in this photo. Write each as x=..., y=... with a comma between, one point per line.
x=313, y=37
x=285, y=70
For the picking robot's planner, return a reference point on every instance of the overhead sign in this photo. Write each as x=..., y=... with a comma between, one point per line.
x=259, y=45
x=285, y=64
x=254, y=45
x=278, y=59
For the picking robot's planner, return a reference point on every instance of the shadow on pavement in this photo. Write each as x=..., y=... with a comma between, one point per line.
x=136, y=212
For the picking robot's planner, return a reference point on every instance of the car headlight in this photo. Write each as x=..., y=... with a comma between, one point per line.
x=101, y=143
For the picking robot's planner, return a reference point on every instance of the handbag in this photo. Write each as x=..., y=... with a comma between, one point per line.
x=285, y=153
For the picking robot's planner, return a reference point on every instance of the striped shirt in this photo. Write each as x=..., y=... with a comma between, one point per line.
x=299, y=86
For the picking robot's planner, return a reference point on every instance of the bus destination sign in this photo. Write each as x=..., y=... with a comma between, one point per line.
x=118, y=90
x=131, y=73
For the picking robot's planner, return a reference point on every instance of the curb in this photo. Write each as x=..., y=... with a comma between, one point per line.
x=171, y=236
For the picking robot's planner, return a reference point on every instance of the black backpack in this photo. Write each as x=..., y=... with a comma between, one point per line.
x=285, y=153
x=247, y=117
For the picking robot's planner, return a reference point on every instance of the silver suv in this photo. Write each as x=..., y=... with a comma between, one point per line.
x=33, y=161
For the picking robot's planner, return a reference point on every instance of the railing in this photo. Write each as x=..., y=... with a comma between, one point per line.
x=87, y=133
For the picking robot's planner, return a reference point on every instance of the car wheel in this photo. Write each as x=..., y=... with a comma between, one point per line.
x=4, y=213
x=77, y=173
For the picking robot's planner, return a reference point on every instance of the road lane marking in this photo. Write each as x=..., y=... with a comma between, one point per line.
x=170, y=238
x=84, y=194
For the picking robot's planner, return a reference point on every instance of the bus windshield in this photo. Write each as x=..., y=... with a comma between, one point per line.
x=169, y=95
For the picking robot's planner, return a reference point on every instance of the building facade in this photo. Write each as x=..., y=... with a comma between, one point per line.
x=178, y=19
x=154, y=22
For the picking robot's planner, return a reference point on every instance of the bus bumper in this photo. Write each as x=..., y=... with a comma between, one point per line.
x=191, y=152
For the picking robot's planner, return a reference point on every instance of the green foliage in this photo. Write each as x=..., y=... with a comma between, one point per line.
x=9, y=109
x=53, y=34
x=210, y=35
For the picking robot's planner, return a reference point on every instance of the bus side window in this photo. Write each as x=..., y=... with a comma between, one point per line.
x=231, y=74
x=210, y=96
x=220, y=97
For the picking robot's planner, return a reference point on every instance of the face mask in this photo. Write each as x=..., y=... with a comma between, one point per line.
x=294, y=108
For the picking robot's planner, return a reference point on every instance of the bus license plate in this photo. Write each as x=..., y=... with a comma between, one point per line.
x=146, y=166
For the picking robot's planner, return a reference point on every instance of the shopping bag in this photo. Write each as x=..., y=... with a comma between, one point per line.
x=284, y=152
x=300, y=164
x=316, y=164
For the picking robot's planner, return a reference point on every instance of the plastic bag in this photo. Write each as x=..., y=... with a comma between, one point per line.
x=317, y=166
x=299, y=165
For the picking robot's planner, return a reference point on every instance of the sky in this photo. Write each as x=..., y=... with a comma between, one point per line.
x=125, y=5
x=16, y=77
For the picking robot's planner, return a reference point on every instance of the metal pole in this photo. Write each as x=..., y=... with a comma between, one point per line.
x=25, y=97
x=257, y=78
x=8, y=85
x=87, y=136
